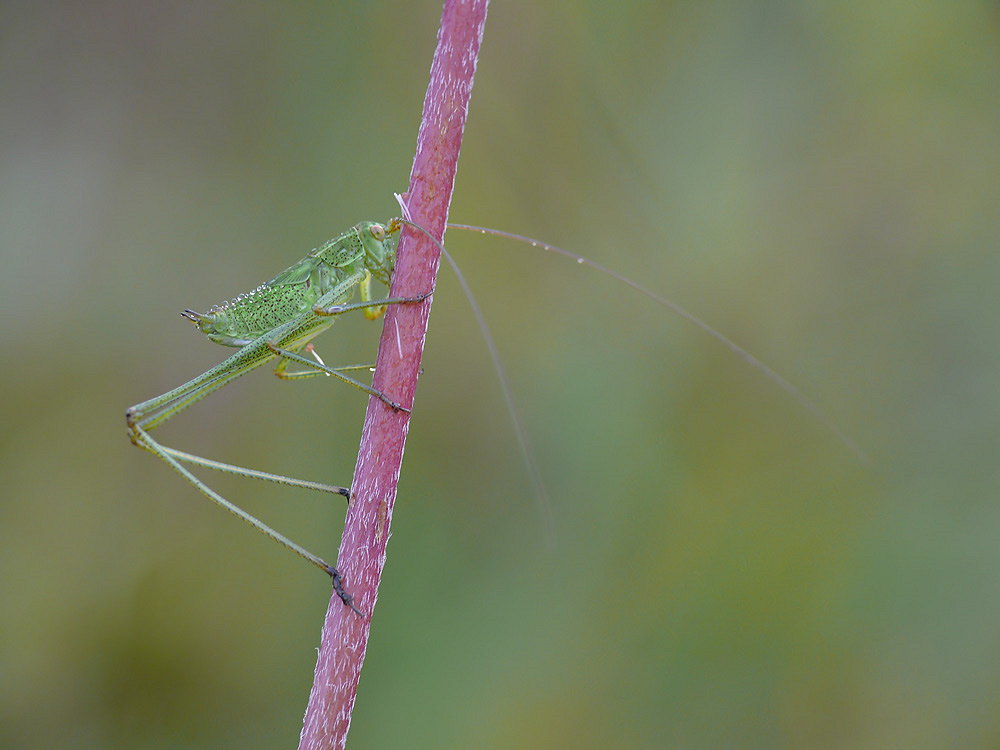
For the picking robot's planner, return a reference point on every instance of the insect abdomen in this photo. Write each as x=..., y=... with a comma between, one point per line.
x=251, y=314
x=254, y=313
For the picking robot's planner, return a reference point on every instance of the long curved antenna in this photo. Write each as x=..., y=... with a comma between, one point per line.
x=527, y=453
x=735, y=348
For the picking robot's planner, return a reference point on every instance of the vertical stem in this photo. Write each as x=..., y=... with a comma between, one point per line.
x=363, y=546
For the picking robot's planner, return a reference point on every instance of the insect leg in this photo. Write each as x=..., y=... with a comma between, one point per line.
x=296, y=357
x=340, y=309
x=281, y=372
x=142, y=438
x=267, y=476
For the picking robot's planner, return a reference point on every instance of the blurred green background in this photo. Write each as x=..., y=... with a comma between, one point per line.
x=819, y=181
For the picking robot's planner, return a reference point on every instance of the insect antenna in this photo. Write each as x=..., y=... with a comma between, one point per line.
x=524, y=445
x=731, y=345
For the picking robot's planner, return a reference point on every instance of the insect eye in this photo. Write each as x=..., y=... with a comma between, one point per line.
x=378, y=232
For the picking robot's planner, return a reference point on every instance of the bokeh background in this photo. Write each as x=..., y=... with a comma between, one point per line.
x=819, y=181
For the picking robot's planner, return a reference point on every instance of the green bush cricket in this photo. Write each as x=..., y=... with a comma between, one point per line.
x=279, y=319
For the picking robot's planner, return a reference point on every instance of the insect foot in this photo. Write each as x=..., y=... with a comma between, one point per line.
x=338, y=586
x=395, y=406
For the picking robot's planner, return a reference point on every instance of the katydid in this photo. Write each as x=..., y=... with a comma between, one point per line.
x=279, y=319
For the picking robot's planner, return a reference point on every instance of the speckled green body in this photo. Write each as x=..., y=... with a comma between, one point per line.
x=348, y=261
x=276, y=321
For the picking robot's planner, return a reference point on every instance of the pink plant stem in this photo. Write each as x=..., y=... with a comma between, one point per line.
x=363, y=546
